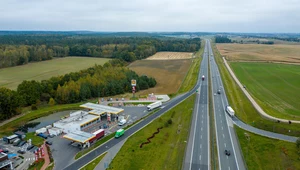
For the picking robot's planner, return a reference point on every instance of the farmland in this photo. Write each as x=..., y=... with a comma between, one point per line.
x=13, y=76
x=261, y=53
x=170, y=56
x=262, y=153
x=274, y=86
x=169, y=74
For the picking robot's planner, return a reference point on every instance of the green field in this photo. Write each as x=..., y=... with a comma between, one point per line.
x=11, y=77
x=276, y=87
x=166, y=150
x=243, y=107
x=261, y=153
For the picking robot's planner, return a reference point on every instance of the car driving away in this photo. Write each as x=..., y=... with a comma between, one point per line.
x=227, y=152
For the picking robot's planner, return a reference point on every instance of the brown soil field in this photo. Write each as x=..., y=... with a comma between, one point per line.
x=260, y=52
x=169, y=74
x=170, y=56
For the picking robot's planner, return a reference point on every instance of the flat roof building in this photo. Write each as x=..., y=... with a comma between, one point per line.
x=98, y=109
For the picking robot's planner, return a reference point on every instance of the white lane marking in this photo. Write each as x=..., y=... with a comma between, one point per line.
x=202, y=121
x=200, y=158
x=222, y=127
x=229, y=168
x=201, y=129
x=223, y=136
x=225, y=145
x=195, y=130
x=201, y=136
x=221, y=121
x=202, y=116
x=200, y=146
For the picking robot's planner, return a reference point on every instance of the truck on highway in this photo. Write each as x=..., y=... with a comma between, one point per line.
x=230, y=111
x=203, y=77
x=154, y=105
x=119, y=133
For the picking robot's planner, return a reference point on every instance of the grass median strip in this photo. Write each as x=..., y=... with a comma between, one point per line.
x=94, y=163
x=262, y=153
x=243, y=107
x=166, y=149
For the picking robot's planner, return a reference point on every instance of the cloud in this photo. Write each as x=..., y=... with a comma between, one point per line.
x=154, y=15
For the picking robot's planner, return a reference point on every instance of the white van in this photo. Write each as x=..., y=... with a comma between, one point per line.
x=122, y=122
x=230, y=111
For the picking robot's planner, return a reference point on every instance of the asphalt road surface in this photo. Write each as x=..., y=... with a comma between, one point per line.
x=226, y=139
x=197, y=154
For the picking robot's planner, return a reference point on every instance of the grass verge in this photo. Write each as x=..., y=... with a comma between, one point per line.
x=35, y=140
x=263, y=153
x=50, y=167
x=94, y=163
x=243, y=107
x=37, y=165
x=192, y=75
x=171, y=141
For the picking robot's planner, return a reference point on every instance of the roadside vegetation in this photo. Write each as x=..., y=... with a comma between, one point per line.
x=94, y=163
x=243, y=107
x=171, y=141
x=192, y=75
x=274, y=87
x=37, y=165
x=262, y=153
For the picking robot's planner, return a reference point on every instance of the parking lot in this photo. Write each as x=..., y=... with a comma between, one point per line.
x=21, y=161
x=63, y=152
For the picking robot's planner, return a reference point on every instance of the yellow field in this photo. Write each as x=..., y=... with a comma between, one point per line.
x=260, y=52
x=170, y=56
x=169, y=74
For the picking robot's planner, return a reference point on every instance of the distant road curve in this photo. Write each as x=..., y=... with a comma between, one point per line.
x=256, y=106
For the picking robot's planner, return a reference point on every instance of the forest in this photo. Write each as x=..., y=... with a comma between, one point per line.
x=22, y=49
x=223, y=39
x=98, y=81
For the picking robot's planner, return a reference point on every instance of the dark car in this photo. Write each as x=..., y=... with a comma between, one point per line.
x=21, y=152
x=22, y=143
x=219, y=91
x=227, y=152
x=4, y=150
x=48, y=142
x=30, y=147
x=117, y=99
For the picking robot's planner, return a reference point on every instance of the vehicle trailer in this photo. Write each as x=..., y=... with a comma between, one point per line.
x=98, y=134
x=154, y=105
x=230, y=111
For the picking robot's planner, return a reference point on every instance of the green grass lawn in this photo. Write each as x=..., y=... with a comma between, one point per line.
x=94, y=163
x=192, y=75
x=37, y=165
x=244, y=109
x=36, y=140
x=166, y=150
x=276, y=87
x=261, y=153
x=11, y=77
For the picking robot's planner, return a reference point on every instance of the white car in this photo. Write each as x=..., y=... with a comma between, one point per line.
x=122, y=122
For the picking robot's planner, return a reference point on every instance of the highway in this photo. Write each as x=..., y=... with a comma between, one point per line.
x=225, y=135
x=197, y=155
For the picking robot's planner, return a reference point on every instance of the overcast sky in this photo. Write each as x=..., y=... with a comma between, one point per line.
x=152, y=15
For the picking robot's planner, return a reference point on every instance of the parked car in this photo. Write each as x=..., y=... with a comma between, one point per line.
x=22, y=143
x=48, y=142
x=122, y=122
x=21, y=152
x=30, y=147
x=42, y=135
x=117, y=99
x=227, y=152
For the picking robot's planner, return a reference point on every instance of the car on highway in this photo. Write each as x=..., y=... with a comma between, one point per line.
x=227, y=152
x=119, y=133
x=219, y=91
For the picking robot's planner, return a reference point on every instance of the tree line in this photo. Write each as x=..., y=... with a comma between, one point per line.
x=98, y=81
x=21, y=49
x=222, y=39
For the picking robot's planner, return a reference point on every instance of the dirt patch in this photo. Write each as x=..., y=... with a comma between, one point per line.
x=260, y=52
x=170, y=56
x=169, y=74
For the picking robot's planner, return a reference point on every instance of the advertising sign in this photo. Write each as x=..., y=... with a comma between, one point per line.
x=133, y=82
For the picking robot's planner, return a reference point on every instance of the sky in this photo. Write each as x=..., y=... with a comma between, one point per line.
x=267, y=16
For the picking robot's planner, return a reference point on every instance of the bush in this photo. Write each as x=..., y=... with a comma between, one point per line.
x=33, y=107
x=51, y=101
x=170, y=121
